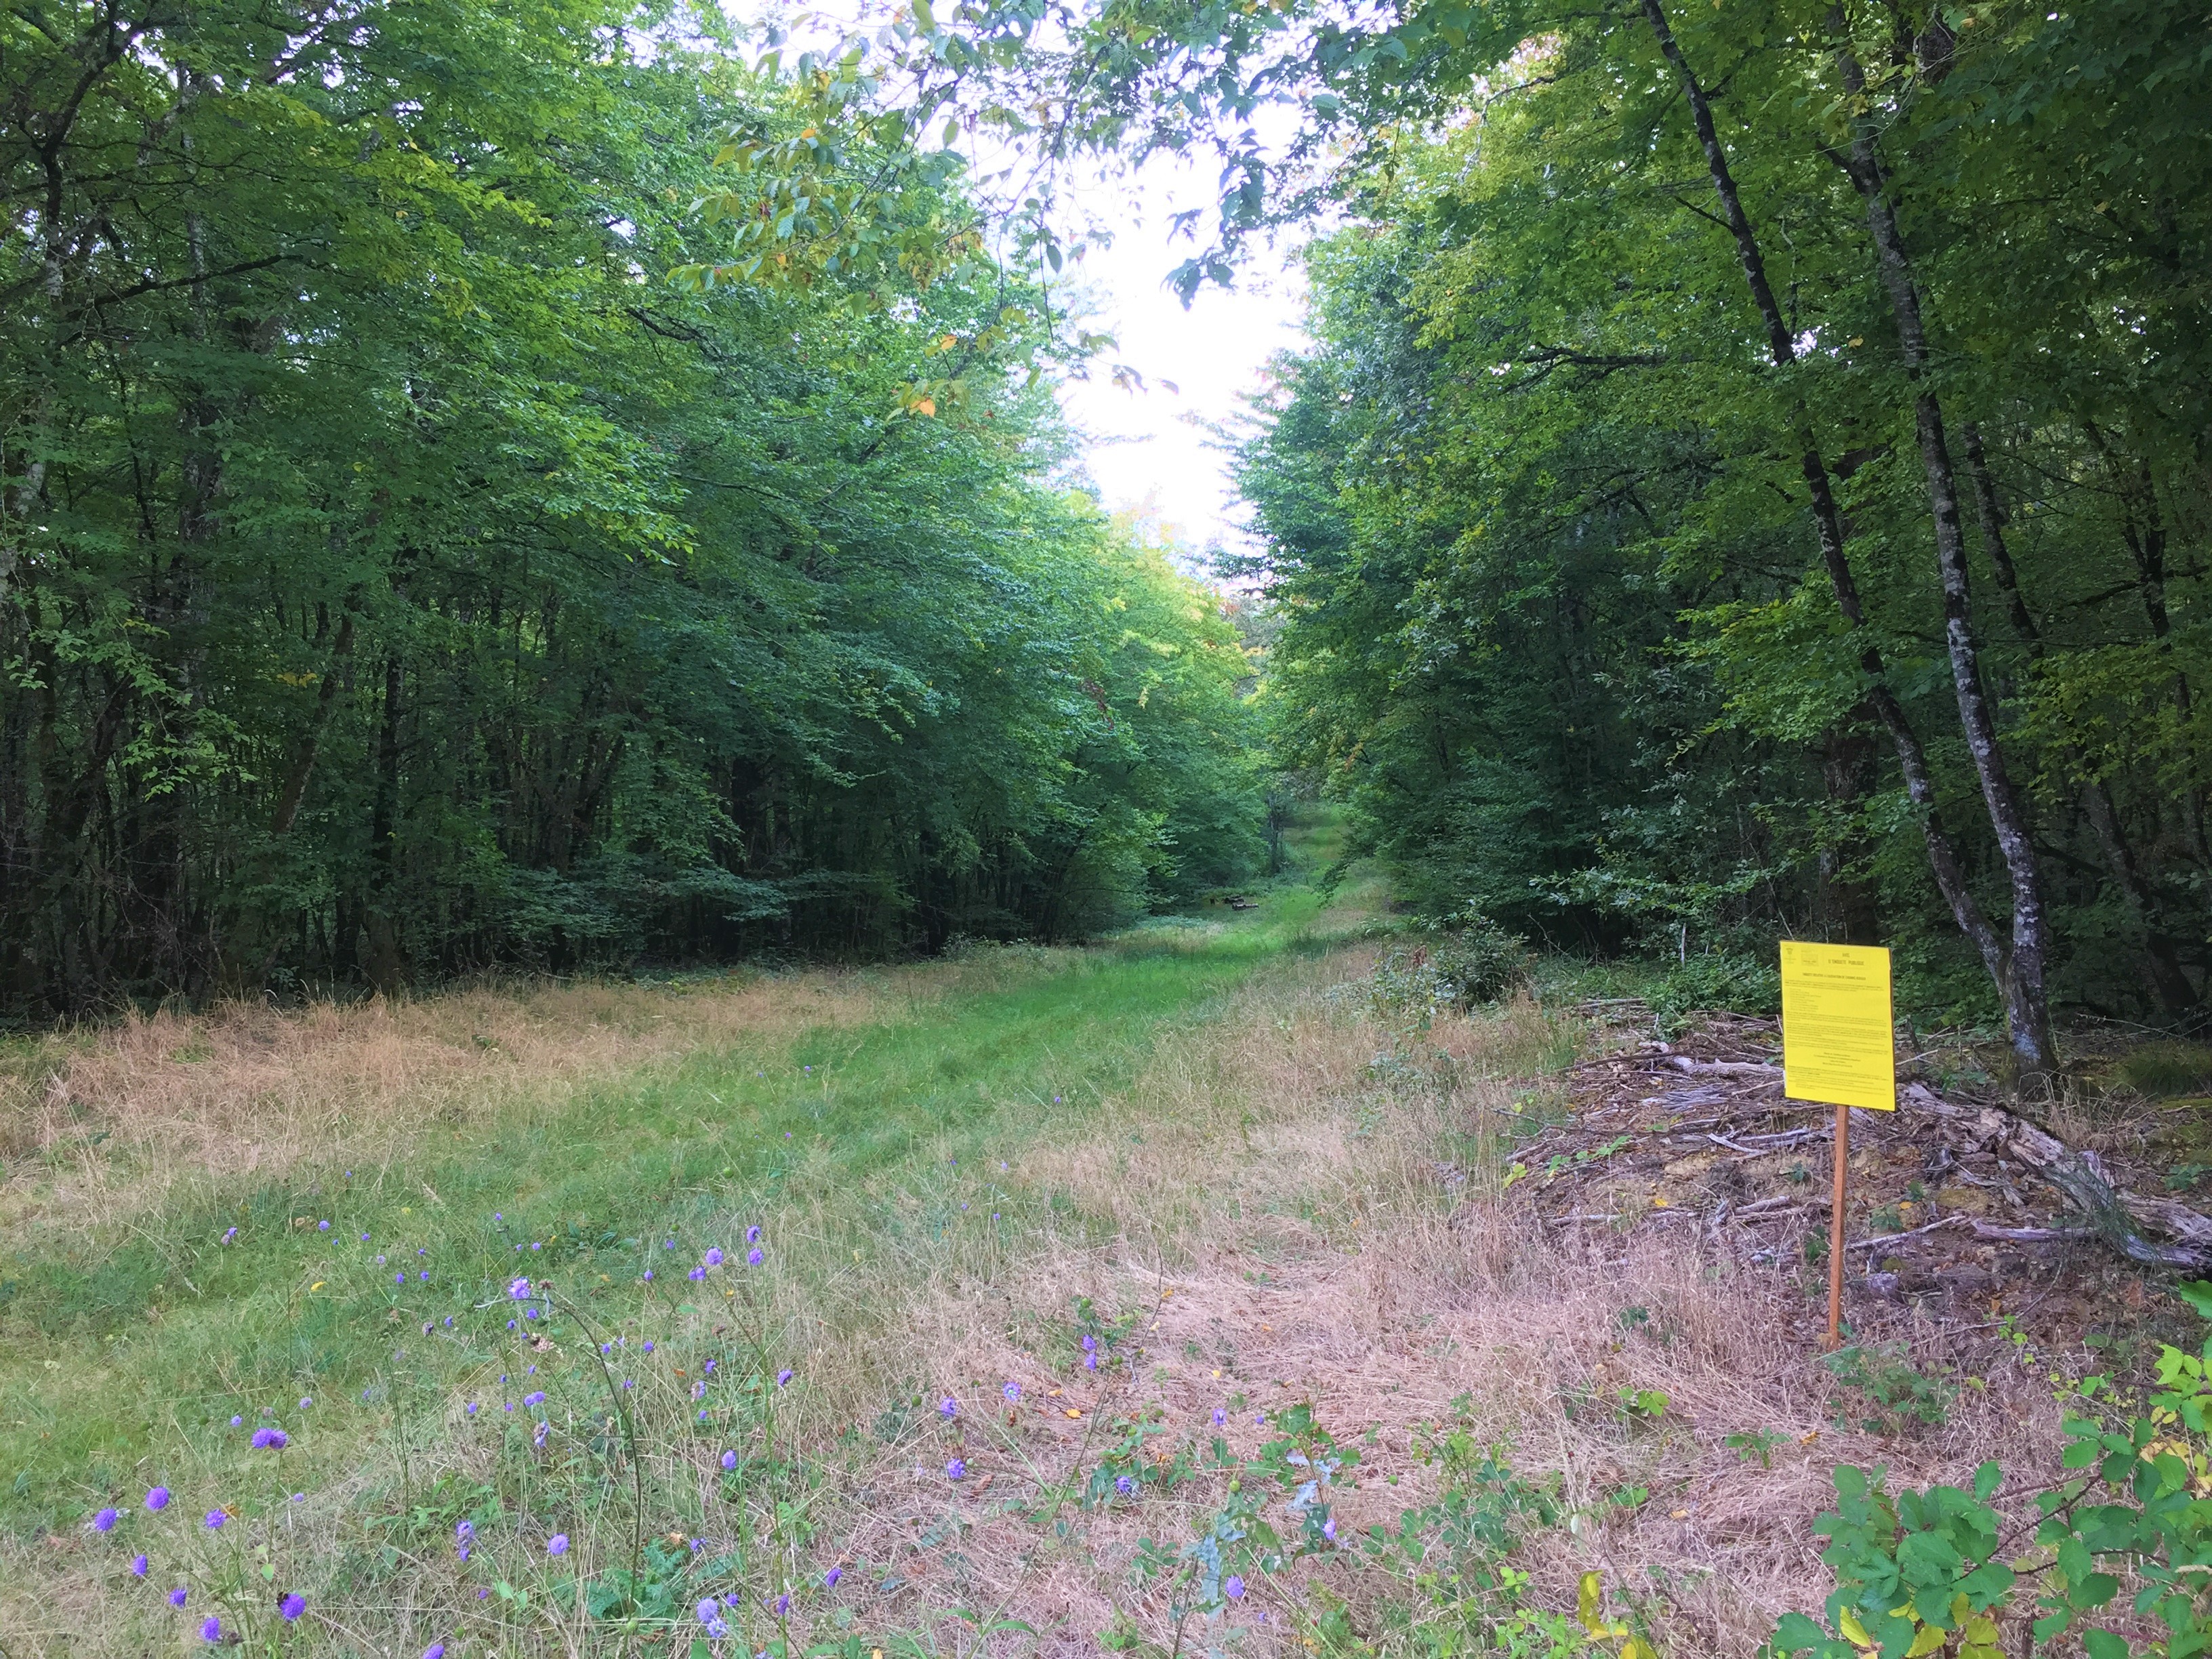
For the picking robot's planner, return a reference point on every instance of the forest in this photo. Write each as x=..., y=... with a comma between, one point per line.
x=400, y=577
x=663, y=993
x=563, y=484
x=1749, y=479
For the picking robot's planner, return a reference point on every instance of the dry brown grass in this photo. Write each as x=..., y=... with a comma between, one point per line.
x=102, y=1123
x=1286, y=1220
x=1292, y=1231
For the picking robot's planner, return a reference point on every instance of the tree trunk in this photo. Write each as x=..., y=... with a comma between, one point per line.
x=2027, y=1009
x=386, y=962
x=1911, y=755
x=2169, y=983
x=1847, y=768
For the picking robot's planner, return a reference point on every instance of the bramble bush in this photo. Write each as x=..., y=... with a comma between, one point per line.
x=1928, y=1572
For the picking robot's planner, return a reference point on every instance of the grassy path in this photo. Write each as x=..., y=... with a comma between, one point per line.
x=120, y=1348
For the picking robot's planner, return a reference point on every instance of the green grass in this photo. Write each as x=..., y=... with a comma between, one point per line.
x=125, y=1348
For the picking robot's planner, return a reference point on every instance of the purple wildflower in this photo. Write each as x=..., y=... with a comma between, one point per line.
x=465, y=1531
x=557, y=1544
x=138, y=1566
x=177, y=1596
x=1233, y=1588
x=471, y=1408
x=829, y=1578
x=729, y=1460
x=752, y=1235
x=212, y=1629
x=948, y=1408
x=215, y=1520
x=783, y=1378
x=708, y=1611
x=435, y=1650
x=103, y=1522
x=535, y=1397
x=1013, y=1391
x=754, y=1257
x=158, y=1498
x=307, y=1400
x=519, y=1289
x=1220, y=1417
x=292, y=1606
x=714, y=1256
x=1123, y=1485
x=783, y=1604
x=696, y=1274
x=322, y=1226
x=237, y=1422
x=956, y=1469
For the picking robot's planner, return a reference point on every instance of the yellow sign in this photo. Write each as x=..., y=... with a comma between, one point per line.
x=1838, y=1039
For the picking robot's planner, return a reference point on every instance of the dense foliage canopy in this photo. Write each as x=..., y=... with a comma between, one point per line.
x=400, y=574
x=1706, y=408
x=1755, y=459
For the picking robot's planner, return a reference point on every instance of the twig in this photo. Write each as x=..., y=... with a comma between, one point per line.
x=1782, y=1141
x=1891, y=1238
x=1725, y=1068
x=1982, y=1228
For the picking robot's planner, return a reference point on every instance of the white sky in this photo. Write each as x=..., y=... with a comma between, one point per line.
x=1148, y=449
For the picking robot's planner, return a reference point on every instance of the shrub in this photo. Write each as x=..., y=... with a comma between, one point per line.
x=1923, y=1572
x=1884, y=1393
x=1742, y=985
x=1457, y=966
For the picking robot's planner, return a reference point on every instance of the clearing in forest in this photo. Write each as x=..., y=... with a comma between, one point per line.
x=1179, y=1292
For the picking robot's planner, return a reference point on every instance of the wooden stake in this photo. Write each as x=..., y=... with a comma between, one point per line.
x=1836, y=1228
